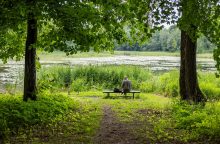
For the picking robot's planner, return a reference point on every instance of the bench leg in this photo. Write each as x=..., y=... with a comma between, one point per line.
x=108, y=94
x=133, y=95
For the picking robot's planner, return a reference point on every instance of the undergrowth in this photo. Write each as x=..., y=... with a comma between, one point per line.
x=202, y=122
x=50, y=118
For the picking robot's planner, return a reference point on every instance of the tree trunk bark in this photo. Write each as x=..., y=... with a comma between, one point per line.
x=189, y=87
x=30, y=56
x=183, y=92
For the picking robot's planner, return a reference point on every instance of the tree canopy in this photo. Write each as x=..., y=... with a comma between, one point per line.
x=69, y=26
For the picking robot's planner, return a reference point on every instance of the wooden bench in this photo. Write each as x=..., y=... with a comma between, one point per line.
x=108, y=92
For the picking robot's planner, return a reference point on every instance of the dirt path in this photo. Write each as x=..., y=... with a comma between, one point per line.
x=112, y=131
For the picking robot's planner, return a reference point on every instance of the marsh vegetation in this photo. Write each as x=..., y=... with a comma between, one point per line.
x=71, y=106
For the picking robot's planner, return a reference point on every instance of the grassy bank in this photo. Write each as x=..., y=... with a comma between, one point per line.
x=61, y=55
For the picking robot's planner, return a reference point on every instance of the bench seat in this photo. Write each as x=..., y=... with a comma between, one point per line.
x=108, y=92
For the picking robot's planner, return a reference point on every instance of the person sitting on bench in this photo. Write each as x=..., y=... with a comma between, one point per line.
x=126, y=85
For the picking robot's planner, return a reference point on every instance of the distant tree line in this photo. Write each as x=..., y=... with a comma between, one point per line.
x=166, y=40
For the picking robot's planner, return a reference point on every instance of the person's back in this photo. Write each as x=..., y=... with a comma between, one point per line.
x=126, y=85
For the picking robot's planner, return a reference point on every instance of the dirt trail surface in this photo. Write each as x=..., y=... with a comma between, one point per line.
x=112, y=131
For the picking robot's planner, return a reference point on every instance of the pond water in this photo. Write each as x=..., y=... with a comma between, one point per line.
x=12, y=71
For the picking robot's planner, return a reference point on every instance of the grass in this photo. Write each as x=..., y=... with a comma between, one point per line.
x=62, y=56
x=125, y=108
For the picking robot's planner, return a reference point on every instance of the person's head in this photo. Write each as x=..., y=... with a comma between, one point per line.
x=125, y=78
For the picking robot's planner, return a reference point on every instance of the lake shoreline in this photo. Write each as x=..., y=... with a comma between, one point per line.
x=10, y=71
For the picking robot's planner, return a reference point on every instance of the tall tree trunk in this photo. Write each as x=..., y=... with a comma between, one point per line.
x=30, y=55
x=182, y=83
x=189, y=87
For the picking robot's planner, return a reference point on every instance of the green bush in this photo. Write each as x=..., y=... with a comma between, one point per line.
x=172, y=90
